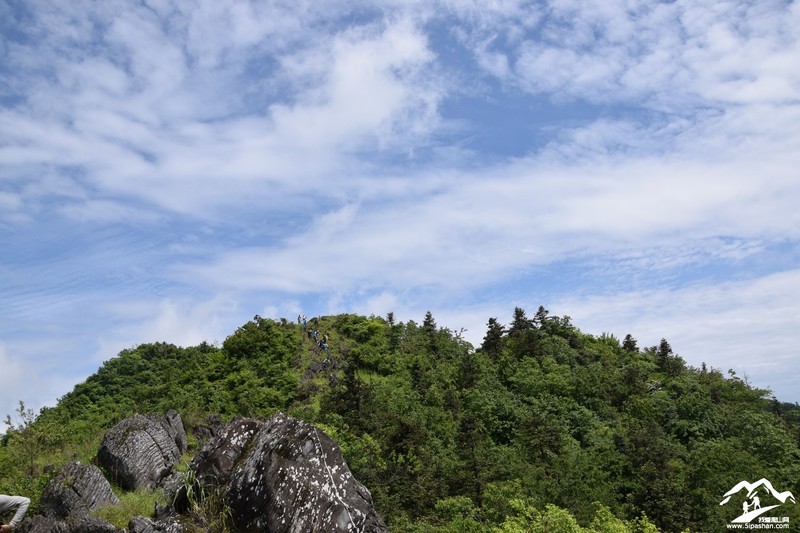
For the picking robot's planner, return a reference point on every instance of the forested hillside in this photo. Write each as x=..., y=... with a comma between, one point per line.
x=542, y=424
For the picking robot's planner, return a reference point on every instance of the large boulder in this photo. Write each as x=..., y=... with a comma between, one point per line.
x=173, y=424
x=76, y=489
x=139, y=452
x=209, y=427
x=213, y=465
x=284, y=475
x=216, y=460
x=82, y=523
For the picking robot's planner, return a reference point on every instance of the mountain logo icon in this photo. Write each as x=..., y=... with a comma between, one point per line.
x=751, y=506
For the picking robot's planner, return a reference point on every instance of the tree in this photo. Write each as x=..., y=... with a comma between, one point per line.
x=541, y=316
x=520, y=323
x=493, y=341
x=663, y=354
x=429, y=324
x=629, y=344
x=28, y=436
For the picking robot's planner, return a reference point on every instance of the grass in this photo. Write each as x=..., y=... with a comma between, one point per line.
x=137, y=503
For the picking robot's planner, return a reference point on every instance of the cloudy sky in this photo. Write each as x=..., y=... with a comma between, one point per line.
x=171, y=168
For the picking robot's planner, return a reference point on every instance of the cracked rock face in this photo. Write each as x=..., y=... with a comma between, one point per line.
x=140, y=524
x=74, y=524
x=215, y=462
x=77, y=489
x=139, y=452
x=284, y=475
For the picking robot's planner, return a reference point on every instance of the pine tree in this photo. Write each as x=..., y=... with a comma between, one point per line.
x=520, y=323
x=541, y=316
x=493, y=341
x=629, y=344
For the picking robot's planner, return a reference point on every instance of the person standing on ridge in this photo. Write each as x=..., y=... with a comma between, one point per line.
x=10, y=502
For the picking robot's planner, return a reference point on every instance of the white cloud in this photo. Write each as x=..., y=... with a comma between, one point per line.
x=666, y=54
x=32, y=377
x=369, y=90
x=10, y=203
x=746, y=325
x=184, y=322
x=324, y=143
x=142, y=117
x=486, y=223
x=12, y=384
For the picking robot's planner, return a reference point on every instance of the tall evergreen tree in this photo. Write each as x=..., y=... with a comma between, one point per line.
x=541, y=316
x=429, y=324
x=520, y=323
x=629, y=344
x=493, y=341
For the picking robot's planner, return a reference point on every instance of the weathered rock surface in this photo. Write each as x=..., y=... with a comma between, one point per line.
x=139, y=452
x=173, y=424
x=208, y=428
x=284, y=475
x=217, y=459
x=76, y=489
x=280, y=475
x=82, y=523
x=140, y=524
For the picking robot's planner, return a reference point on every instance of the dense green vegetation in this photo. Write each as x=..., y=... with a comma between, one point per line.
x=542, y=428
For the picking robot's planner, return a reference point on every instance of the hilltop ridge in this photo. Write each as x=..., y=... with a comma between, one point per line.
x=539, y=421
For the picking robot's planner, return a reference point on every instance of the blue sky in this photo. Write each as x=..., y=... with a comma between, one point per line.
x=169, y=169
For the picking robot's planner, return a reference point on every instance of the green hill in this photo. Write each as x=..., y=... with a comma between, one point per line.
x=543, y=426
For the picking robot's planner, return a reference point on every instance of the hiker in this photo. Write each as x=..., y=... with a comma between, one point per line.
x=10, y=502
x=756, y=503
x=745, y=507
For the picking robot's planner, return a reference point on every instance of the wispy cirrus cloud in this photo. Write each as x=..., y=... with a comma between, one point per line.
x=156, y=116
x=169, y=164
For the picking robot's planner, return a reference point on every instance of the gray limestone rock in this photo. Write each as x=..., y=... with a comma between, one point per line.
x=217, y=459
x=82, y=523
x=140, y=524
x=139, y=452
x=42, y=524
x=286, y=476
x=89, y=524
x=208, y=428
x=76, y=489
x=173, y=424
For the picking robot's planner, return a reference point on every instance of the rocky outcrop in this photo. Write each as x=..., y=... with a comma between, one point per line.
x=280, y=475
x=215, y=462
x=76, y=489
x=81, y=523
x=140, y=524
x=208, y=428
x=139, y=452
x=173, y=425
x=284, y=475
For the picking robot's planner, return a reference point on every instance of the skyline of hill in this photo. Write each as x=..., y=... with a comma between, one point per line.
x=443, y=433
